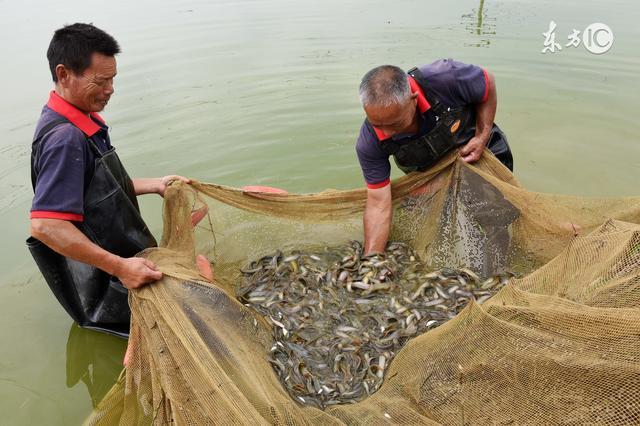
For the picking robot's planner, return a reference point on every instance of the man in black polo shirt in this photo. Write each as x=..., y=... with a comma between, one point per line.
x=418, y=117
x=85, y=222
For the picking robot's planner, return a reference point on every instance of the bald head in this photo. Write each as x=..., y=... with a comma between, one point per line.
x=384, y=86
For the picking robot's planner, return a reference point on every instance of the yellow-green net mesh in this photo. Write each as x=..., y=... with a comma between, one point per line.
x=559, y=346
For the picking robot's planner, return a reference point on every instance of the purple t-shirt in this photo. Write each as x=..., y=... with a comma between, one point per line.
x=454, y=83
x=65, y=165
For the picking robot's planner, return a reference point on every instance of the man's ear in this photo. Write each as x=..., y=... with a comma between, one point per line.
x=414, y=98
x=62, y=74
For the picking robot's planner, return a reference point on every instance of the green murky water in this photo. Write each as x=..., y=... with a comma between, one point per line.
x=265, y=92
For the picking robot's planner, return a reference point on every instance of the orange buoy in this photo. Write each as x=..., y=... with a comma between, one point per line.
x=258, y=188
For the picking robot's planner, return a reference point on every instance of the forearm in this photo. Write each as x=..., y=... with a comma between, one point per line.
x=486, y=111
x=64, y=238
x=377, y=225
x=146, y=185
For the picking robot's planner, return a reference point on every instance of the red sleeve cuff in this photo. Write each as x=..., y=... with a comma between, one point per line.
x=41, y=214
x=379, y=184
x=486, y=86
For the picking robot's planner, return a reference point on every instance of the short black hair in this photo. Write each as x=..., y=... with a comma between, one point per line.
x=73, y=45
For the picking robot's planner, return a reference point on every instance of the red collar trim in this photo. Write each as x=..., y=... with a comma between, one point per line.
x=380, y=134
x=423, y=105
x=74, y=115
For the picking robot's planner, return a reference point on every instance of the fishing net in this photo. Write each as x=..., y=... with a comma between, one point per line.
x=559, y=345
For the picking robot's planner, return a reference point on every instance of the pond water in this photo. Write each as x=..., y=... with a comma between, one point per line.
x=265, y=93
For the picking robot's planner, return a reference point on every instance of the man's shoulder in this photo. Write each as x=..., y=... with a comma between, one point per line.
x=366, y=138
x=455, y=82
x=441, y=67
x=365, y=131
x=367, y=146
x=54, y=129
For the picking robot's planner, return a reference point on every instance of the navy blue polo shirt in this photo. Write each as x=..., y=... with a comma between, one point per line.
x=65, y=165
x=454, y=83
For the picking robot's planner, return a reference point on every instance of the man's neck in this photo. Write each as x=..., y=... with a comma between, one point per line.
x=61, y=92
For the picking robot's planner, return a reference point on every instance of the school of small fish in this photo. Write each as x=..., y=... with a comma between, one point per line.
x=340, y=317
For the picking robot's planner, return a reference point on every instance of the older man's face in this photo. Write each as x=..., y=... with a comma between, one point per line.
x=91, y=90
x=395, y=118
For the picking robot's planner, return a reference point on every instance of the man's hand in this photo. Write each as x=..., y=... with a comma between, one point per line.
x=156, y=185
x=135, y=272
x=166, y=180
x=472, y=151
x=65, y=238
x=485, y=114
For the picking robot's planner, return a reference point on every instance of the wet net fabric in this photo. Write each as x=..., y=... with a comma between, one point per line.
x=560, y=345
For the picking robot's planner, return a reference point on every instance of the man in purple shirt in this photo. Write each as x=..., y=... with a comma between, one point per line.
x=418, y=117
x=86, y=226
